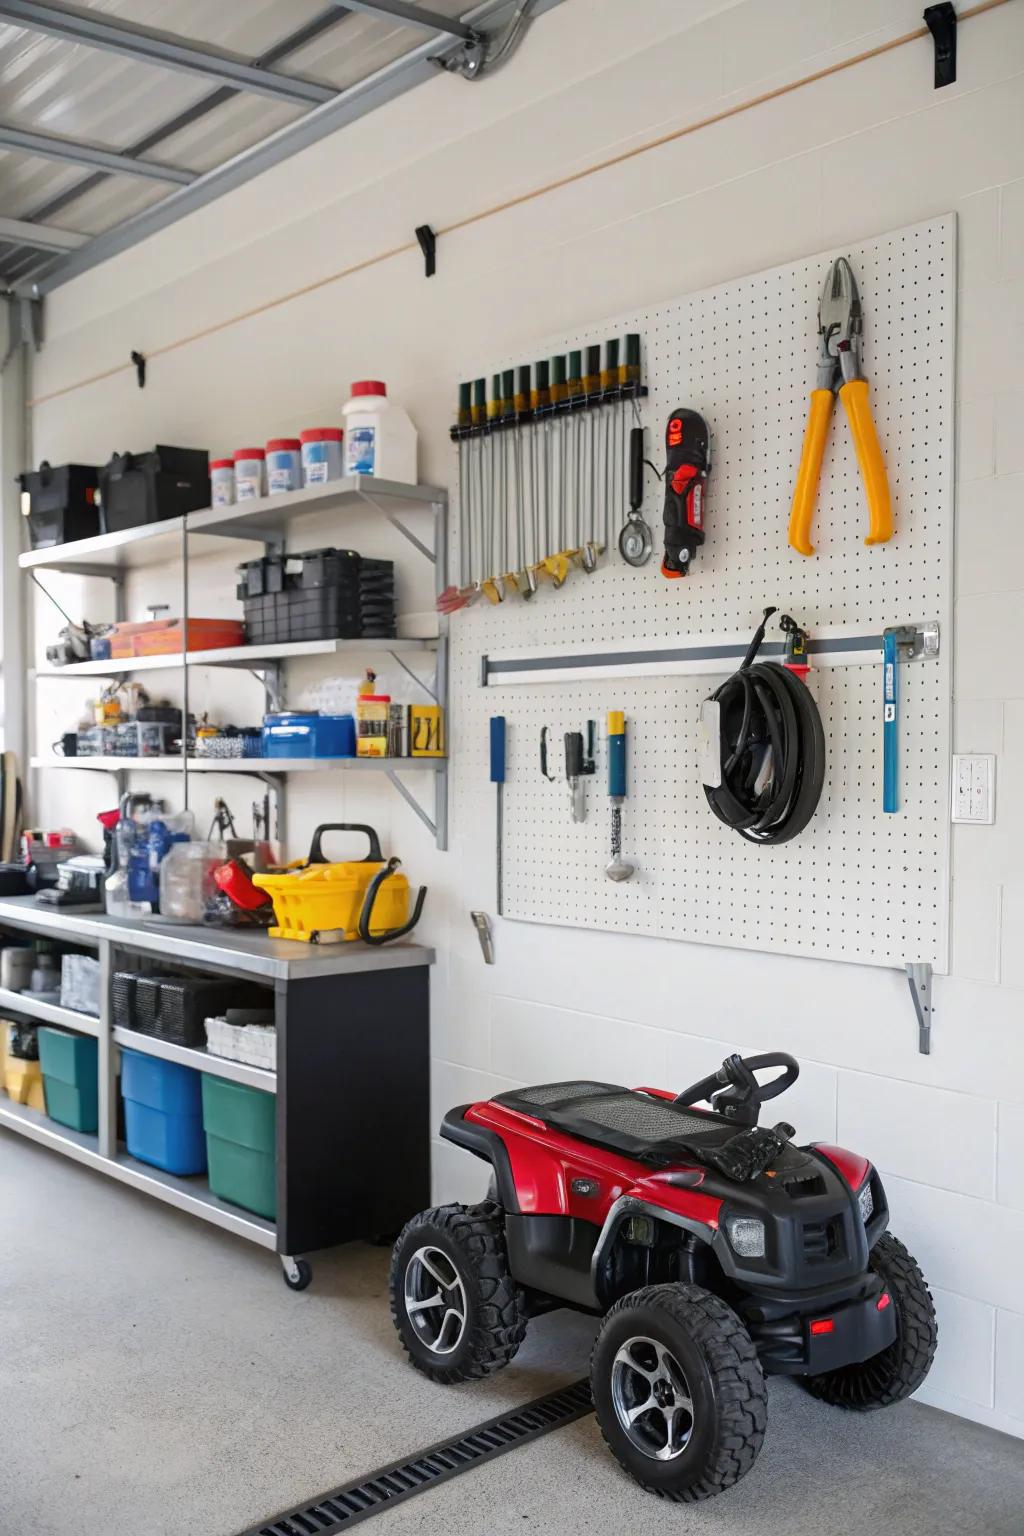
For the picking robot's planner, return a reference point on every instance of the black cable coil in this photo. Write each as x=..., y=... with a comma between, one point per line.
x=772, y=747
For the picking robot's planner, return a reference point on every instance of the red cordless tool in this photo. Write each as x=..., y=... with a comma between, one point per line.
x=688, y=464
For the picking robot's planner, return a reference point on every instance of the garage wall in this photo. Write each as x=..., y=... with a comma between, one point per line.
x=858, y=152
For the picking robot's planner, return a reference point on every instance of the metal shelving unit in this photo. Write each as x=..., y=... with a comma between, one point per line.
x=265, y=521
x=200, y=1060
x=47, y=1013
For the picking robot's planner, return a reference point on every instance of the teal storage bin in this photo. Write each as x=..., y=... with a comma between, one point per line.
x=241, y=1143
x=70, y=1068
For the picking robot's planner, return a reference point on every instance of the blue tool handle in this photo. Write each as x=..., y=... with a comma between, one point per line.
x=890, y=724
x=497, y=749
x=617, y=765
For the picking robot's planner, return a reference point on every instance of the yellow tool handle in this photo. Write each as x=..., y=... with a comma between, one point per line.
x=806, y=488
x=869, y=456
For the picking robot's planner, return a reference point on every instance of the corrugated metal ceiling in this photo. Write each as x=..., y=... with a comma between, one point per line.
x=89, y=95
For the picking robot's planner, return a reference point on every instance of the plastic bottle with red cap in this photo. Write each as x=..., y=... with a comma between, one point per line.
x=380, y=439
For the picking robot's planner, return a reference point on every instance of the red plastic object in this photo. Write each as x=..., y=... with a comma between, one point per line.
x=283, y=445
x=369, y=387
x=108, y=820
x=883, y=1301
x=851, y=1165
x=321, y=435
x=235, y=880
x=823, y=1325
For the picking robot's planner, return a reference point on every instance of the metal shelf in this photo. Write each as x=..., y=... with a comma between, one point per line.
x=264, y=517
x=236, y=656
x=48, y=1013
x=257, y=765
x=189, y=1195
x=109, y=554
x=198, y=1058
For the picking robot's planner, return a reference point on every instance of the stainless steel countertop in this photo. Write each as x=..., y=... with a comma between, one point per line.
x=244, y=950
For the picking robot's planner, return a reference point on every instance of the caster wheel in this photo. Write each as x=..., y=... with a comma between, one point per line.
x=298, y=1275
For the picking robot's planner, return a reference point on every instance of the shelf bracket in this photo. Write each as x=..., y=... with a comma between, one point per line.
x=438, y=823
x=407, y=533
x=919, y=978
x=428, y=688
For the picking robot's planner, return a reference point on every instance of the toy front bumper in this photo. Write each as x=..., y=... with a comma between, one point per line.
x=812, y=1342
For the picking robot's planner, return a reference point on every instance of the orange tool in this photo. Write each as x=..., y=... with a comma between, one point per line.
x=840, y=323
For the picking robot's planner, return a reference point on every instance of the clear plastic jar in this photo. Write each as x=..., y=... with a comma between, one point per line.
x=222, y=482
x=284, y=465
x=250, y=474
x=322, y=458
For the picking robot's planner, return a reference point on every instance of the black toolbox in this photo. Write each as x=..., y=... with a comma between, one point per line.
x=322, y=594
x=60, y=503
x=138, y=488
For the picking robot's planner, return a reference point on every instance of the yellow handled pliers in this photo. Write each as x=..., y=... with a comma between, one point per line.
x=840, y=322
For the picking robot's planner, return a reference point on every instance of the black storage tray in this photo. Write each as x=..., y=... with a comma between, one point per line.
x=175, y=1008
x=148, y=487
x=61, y=503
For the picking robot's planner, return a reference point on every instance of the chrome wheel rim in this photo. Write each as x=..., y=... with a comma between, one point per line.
x=651, y=1398
x=435, y=1300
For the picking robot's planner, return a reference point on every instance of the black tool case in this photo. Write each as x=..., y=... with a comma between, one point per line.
x=60, y=503
x=323, y=594
x=138, y=488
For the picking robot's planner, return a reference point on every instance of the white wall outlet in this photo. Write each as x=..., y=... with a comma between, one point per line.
x=974, y=787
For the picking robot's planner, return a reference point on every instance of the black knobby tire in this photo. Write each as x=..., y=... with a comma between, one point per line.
x=473, y=1239
x=725, y=1381
x=899, y=1370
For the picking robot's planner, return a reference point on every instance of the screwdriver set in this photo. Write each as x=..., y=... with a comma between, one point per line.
x=542, y=470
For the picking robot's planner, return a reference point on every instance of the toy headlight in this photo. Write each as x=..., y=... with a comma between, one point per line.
x=866, y=1201
x=746, y=1236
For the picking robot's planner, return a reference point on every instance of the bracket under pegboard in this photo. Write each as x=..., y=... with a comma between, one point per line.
x=858, y=884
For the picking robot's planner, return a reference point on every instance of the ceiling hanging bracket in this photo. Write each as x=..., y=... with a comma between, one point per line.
x=139, y=360
x=941, y=23
x=428, y=245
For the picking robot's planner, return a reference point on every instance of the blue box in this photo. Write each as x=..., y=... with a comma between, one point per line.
x=163, y=1113
x=295, y=734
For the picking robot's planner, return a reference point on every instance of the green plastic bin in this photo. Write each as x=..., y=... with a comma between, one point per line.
x=240, y=1144
x=70, y=1068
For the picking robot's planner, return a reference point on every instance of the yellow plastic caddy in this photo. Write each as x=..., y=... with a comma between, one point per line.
x=326, y=903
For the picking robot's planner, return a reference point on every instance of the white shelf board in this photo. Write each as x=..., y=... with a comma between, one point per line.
x=265, y=515
x=234, y=656
x=241, y=764
x=191, y=1195
x=47, y=1013
x=198, y=1058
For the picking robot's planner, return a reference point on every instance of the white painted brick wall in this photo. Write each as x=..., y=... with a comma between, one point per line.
x=856, y=153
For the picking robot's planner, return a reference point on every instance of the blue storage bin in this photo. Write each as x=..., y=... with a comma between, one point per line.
x=308, y=734
x=163, y=1113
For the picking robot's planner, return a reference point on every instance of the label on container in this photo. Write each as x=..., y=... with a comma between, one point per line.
x=361, y=451
x=221, y=493
x=280, y=479
x=247, y=487
x=316, y=471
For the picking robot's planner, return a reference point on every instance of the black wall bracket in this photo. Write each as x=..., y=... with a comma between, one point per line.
x=428, y=245
x=941, y=23
x=139, y=359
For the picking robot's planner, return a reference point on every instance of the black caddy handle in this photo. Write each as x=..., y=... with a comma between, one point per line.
x=371, y=896
x=316, y=853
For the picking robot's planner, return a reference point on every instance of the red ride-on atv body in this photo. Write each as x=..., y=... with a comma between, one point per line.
x=715, y=1250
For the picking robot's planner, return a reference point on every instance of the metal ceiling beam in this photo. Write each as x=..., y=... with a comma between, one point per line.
x=411, y=16
x=71, y=153
x=162, y=49
x=384, y=85
x=39, y=237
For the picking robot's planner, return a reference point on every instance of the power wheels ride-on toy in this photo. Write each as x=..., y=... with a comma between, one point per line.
x=715, y=1250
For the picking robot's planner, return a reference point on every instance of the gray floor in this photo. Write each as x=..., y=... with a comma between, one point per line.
x=157, y=1379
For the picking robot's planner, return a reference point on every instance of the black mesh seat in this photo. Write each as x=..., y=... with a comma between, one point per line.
x=648, y=1129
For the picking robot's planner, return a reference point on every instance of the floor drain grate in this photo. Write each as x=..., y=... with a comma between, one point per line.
x=346, y=1506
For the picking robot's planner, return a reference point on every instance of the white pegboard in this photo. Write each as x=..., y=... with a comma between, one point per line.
x=857, y=884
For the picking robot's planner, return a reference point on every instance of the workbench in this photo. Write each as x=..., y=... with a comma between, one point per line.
x=351, y=1081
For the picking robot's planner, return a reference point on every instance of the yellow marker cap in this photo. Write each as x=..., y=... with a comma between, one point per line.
x=616, y=722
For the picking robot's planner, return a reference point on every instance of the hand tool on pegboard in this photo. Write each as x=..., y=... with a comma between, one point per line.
x=453, y=598
x=840, y=327
x=612, y=457
x=579, y=765
x=526, y=577
x=511, y=528
x=890, y=721
x=492, y=583
x=636, y=541
x=617, y=867
x=687, y=467
x=591, y=489
x=482, y=924
x=498, y=780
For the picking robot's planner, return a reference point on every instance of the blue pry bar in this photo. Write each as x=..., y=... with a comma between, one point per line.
x=497, y=749
x=890, y=723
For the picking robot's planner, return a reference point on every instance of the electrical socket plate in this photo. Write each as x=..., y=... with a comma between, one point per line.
x=974, y=788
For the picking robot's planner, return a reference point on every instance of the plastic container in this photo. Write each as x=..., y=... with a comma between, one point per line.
x=222, y=482
x=80, y=984
x=16, y=965
x=175, y=1008
x=255, y=1044
x=187, y=888
x=296, y=733
x=322, y=456
x=284, y=465
x=163, y=1113
x=250, y=473
x=326, y=900
x=241, y=1143
x=137, y=488
x=372, y=711
x=380, y=439
x=60, y=503
x=23, y=1082
x=70, y=1067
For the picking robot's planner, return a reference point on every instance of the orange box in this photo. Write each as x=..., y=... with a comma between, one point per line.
x=163, y=637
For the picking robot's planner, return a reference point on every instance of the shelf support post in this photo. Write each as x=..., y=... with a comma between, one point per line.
x=919, y=977
x=107, y=1138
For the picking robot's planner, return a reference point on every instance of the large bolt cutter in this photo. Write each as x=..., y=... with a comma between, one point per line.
x=840, y=322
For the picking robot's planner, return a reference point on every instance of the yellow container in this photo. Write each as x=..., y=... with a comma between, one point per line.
x=24, y=1082
x=322, y=903
x=372, y=724
x=426, y=730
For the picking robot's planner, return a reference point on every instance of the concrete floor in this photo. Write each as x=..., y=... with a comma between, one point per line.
x=157, y=1379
